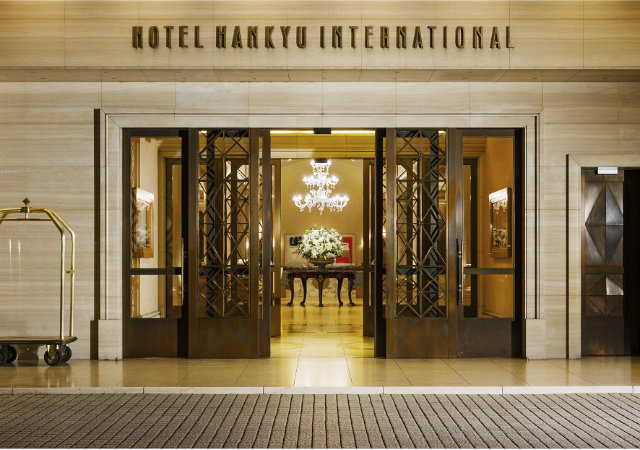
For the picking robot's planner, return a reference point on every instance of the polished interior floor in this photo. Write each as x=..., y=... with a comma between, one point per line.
x=314, y=332
x=323, y=347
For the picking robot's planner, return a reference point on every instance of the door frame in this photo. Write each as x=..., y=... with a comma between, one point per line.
x=186, y=347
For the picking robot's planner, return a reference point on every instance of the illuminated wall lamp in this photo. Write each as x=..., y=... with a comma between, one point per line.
x=606, y=171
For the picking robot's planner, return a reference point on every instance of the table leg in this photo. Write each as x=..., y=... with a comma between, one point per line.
x=304, y=290
x=352, y=282
x=340, y=280
x=320, y=284
x=290, y=281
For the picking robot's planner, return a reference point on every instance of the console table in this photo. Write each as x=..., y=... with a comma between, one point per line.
x=320, y=274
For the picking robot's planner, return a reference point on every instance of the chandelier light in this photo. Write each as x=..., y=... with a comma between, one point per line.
x=320, y=186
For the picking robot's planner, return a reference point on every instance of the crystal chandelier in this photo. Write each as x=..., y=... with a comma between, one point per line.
x=320, y=186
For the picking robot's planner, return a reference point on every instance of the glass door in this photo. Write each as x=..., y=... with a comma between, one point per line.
x=153, y=239
x=488, y=242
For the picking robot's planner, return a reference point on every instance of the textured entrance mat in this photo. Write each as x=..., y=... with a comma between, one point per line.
x=181, y=420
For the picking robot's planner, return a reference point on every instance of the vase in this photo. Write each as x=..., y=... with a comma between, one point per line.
x=321, y=262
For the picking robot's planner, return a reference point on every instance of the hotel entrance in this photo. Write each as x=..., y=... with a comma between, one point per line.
x=434, y=267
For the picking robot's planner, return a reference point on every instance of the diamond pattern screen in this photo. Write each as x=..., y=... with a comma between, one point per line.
x=421, y=198
x=224, y=206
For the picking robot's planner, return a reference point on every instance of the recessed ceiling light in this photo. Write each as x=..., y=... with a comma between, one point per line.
x=361, y=132
x=607, y=171
x=291, y=131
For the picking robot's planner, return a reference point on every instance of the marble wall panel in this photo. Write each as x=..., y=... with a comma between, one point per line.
x=32, y=42
x=611, y=9
x=294, y=98
x=595, y=103
x=433, y=98
x=546, y=10
x=628, y=103
x=212, y=98
x=100, y=43
x=547, y=44
x=360, y=98
x=611, y=43
x=505, y=98
x=535, y=335
x=139, y=97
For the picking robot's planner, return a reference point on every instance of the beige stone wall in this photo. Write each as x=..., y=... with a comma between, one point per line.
x=572, y=34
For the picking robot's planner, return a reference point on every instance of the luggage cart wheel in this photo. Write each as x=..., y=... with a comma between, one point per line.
x=12, y=354
x=52, y=357
x=3, y=356
x=65, y=352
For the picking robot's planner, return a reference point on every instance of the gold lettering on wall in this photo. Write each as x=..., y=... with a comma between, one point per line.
x=495, y=38
x=252, y=37
x=268, y=39
x=196, y=37
x=136, y=35
x=336, y=37
x=182, y=34
x=401, y=37
x=380, y=35
x=477, y=37
x=417, y=38
x=431, y=31
x=236, y=42
x=221, y=41
x=301, y=37
x=384, y=37
x=285, y=35
x=460, y=37
x=154, y=37
x=168, y=35
x=368, y=32
x=353, y=29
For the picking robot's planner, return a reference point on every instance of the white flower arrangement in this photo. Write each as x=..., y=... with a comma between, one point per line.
x=320, y=243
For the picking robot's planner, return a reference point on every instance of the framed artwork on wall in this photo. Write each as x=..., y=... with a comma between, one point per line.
x=142, y=223
x=500, y=223
x=347, y=249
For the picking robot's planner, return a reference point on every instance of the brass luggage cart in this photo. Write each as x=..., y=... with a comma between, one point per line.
x=58, y=350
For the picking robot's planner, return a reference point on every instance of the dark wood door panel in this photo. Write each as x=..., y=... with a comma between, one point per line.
x=484, y=338
x=418, y=338
x=226, y=338
x=151, y=337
